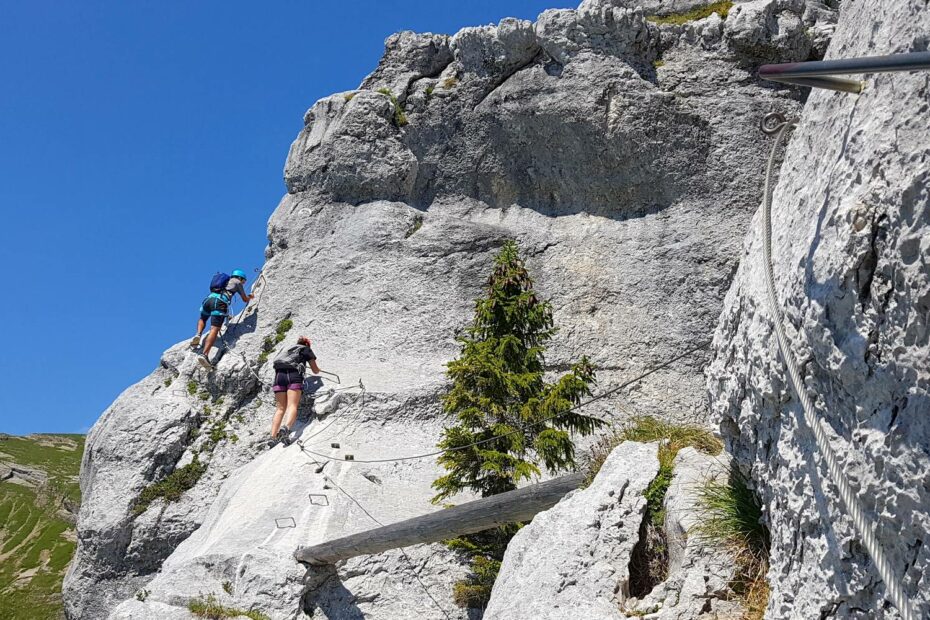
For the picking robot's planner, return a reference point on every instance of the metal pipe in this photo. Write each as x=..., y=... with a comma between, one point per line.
x=869, y=64
x=819, y=74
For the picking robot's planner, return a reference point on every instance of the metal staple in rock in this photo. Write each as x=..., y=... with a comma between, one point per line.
x=777, y=124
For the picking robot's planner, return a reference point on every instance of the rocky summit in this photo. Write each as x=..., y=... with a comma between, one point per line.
x=619, y=144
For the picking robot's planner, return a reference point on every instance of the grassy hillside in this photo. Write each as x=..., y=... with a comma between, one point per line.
x=36, y=528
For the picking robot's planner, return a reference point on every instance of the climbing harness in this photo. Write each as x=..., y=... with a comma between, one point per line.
x=249, y=308
x=777, y=124
x=820, y=75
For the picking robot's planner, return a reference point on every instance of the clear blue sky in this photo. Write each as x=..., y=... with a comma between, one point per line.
x=144, y=142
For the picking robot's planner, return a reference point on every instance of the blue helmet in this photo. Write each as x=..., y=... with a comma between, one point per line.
x=238, y=273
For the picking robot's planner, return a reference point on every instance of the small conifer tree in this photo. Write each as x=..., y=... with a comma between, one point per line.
x=499, y=396
x=502, y=403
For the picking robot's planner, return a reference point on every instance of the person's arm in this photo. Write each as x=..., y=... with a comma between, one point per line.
x=246, y=298
x=309, y=356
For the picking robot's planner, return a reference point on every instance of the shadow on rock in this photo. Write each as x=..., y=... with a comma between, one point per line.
x=326, y=592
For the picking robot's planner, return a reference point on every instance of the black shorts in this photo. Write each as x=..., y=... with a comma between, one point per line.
x=285, y=380
x=215, y=320
x=215, y=309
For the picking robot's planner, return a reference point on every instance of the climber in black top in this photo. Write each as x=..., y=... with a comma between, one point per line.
x=289, y=367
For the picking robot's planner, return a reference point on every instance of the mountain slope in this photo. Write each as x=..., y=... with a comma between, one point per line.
x=39, y=496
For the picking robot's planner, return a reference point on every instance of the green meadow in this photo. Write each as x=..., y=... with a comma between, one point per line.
x=37, y=536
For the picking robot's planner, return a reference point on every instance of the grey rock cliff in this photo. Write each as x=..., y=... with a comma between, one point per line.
x=850, y=240
x=628, y=182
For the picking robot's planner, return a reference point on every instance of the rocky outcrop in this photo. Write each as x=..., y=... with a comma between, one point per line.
x=20, y=474
x=851, y=214
x=621, y=154
x=698, y=586
x=573, y=560
x=576, y=559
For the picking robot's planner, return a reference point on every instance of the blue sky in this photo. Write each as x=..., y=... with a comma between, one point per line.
x=141, y=150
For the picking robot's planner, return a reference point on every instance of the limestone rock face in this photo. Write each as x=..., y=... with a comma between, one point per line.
x=573, y=560
x=850, y=240
x=628, y=183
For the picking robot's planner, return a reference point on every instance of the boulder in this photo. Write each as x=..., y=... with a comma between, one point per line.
x=573, y=560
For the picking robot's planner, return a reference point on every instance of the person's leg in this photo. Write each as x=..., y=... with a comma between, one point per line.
x=211, y=338
x=280, y=403
x=293, y=400
x=216, y=322
x=201, y=323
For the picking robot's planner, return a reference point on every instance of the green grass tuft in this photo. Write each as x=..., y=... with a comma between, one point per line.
x=721, y=8
x=673, y=438
x=417, y=224
x=212, y=609
x=270, y=342
x=218, y=431
x=281, y=330
x=191, y=387
x=172, y=487
x=647, y=428
x=400, y=116
x=731, y=517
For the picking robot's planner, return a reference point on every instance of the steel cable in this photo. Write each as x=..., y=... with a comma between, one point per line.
x=865, y=530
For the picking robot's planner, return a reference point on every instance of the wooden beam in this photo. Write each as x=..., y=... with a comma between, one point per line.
x=468, y=518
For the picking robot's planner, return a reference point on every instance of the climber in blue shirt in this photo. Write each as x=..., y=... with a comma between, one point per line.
x=215, y=308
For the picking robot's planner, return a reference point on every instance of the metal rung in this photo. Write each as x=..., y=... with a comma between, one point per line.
x=819, y=74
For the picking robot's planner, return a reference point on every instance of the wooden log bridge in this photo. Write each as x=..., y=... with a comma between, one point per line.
x=483, y=514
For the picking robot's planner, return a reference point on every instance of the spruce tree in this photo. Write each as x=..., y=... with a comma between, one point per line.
x=500, y=400
x=499, y=396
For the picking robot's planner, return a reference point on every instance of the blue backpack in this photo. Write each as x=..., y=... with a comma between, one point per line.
x=219, y=282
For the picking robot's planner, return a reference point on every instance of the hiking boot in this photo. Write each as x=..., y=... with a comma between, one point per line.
x=195, y=341
x=284, y=436
x=204, y=361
